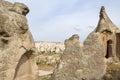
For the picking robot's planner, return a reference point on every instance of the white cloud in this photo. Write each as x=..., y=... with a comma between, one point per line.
x=62, y=26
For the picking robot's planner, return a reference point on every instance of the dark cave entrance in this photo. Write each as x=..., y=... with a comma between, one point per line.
x=109, y=49
x=118, y=45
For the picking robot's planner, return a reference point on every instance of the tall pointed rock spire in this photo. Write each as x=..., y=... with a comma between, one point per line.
x=105, y=24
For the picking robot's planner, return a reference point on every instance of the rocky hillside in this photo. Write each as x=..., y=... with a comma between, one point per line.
x=48, y=57
x=50, y=47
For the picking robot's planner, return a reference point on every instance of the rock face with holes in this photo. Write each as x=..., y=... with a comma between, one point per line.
x=110, y=36
x=17, y=50
x=97, y=59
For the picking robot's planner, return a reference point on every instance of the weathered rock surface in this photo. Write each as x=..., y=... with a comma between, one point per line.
x=81, y=62
x=16, y=43
x=110, y=36
x=97, y=59
x=68, y=68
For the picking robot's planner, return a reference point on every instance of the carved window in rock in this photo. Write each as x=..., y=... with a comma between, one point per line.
x=118, y=45
x=109, y=49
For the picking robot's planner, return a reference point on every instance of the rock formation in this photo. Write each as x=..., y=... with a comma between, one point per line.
x=79, y=61
x=98, y=58
x=16, y=43
x=110, y=36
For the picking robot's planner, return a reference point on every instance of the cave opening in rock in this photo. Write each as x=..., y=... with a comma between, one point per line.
x=109, y=49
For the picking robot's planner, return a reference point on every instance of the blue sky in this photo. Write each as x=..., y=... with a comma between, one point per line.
x=57, y=20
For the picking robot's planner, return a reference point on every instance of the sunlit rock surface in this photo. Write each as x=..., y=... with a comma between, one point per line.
x=17, y=48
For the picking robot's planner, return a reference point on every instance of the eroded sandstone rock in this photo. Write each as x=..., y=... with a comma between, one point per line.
x=16, y=43
x=110, y=36
x=80, y=62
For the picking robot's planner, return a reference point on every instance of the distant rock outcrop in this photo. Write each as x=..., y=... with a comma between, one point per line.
x=97, y=59
x=16, y=43
x=49, y=47
x=48, y=55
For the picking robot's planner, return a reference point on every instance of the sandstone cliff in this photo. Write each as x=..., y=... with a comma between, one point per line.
x=16, y=43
